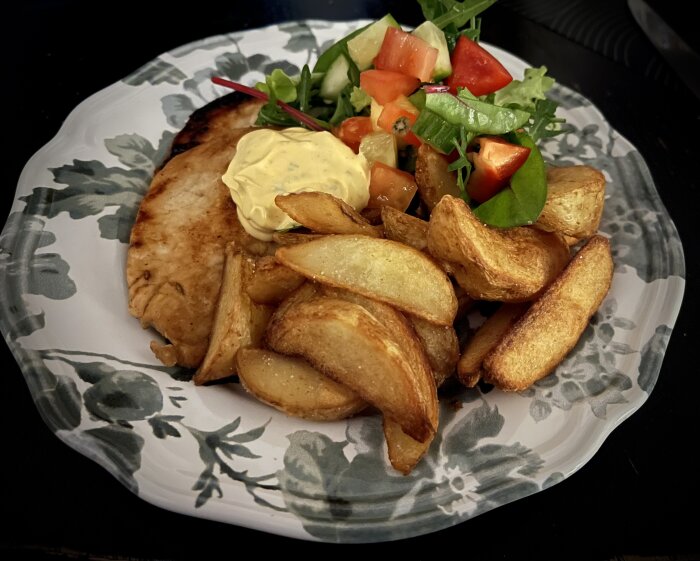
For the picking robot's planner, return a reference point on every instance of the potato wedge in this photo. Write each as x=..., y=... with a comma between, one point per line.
x=575, y=197
x=441, y=347
x=404, y=452
x=402, y=329
x=293, y=386
x=271, y=282
x=380, y=269
x=433, y=178
x=238, y=321
x=551, y=327
x=508, y=265
x=409, y=230
x=485, y=338
x=323, y=213
x=404, y=228
x=345, y=341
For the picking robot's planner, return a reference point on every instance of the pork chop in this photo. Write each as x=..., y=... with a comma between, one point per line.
x=176, y=252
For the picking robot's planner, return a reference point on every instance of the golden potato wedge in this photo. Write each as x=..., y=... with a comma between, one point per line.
x=404, y=228
x=485, y=338
x=575, y=197
x=551, y=327
x=293, y=386
x=409, y=230
x=404, y=452
x=343, y=340
x=464, y=302
x=406, y=336
x=271, y=282
x=503, y=264
x=441, y=347
x=238, y=321
x=323, y=213
x=380, y=269
x=433, y=178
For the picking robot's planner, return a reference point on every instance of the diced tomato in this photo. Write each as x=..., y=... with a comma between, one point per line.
x=474, y=68
x=406, y=53
x=390, y=187
x=351, y=131
x=398, y=117
x=387, y=85
x=494, y=164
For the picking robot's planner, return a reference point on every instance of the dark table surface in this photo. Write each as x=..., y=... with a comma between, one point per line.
x=636, y=498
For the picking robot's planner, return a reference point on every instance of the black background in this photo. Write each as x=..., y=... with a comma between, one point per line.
x=637, y=497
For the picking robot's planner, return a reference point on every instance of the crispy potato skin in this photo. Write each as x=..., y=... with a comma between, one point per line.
x=404, y=228
x=293, y=386
x=433, y=178
x=239, y=322
x=550, y=328
x=484, y=340
x=507, y=265
x=347, y=342
x=324, y=213
x=575, y=199
x=271, y=282
x=377, y=268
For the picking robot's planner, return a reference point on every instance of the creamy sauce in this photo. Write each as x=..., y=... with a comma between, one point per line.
x=268, y=163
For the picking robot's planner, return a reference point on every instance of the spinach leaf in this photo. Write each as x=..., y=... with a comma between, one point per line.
x=522, y=201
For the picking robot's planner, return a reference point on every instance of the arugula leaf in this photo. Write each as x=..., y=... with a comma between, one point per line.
x=452, y=15
x=544, y=123
x=529, y=95
x=462, y=165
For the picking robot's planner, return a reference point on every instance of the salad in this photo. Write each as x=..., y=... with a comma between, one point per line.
x=385, y=91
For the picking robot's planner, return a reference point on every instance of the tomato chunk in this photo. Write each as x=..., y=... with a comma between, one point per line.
x=474, y=68
x=387, y=85
x=407, y=54
x=397, y=117
x=352, y=130
x=494, y=164
x=390, y=187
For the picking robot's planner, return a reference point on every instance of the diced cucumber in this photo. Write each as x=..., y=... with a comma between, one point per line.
x=379, y=146
x=435, y=37
x=336, y=78
x=375, y=111
x=365, y=45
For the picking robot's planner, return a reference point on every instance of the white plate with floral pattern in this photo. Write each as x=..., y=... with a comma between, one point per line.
x=213, y=452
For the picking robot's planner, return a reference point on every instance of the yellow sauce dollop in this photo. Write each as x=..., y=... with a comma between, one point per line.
x=268, y=163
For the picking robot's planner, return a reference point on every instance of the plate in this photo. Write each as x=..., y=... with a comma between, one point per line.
x=214, y=452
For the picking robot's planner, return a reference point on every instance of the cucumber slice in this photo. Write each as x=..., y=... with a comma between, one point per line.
x=379, y=146
x=336, y=78
x=374, y=113
x=435, y=37
x=365, y=45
